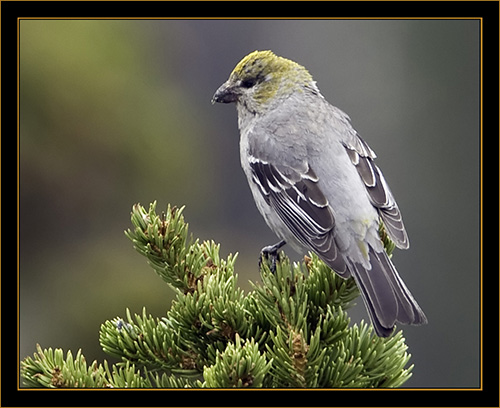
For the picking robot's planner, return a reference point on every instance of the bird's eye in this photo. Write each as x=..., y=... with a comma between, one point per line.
x=248, y=83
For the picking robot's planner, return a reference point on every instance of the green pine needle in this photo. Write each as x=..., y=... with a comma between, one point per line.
x=291, y=330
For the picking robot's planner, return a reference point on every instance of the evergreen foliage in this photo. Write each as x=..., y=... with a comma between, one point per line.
x=291, y=331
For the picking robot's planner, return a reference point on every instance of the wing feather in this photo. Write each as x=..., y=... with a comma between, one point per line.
x=362, y=157
x=301, y=206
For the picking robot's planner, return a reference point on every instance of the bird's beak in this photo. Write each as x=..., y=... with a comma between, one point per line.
x=225, y=94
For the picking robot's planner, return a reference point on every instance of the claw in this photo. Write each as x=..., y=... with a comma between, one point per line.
x=271, y=251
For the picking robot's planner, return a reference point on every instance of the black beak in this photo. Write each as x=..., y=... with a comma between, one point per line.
x=225, y=94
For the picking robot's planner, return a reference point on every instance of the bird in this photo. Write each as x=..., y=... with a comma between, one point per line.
x=314, y=180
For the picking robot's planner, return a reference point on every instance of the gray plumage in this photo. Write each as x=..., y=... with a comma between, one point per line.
x=315, y=183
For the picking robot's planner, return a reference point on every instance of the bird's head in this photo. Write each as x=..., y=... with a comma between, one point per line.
x=262, y=79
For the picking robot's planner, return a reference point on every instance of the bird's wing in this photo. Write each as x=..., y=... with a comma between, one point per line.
x=380, y=195
x=301, y=205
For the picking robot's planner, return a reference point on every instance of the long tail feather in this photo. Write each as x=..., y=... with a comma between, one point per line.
x=386, y=297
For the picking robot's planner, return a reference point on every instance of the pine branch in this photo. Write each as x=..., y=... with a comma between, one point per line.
x=49, y=369
x=291, y=330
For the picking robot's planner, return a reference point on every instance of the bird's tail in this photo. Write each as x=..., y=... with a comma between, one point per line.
x=386, y=297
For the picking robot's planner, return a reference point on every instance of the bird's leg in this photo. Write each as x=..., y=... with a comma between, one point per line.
x=271, y=251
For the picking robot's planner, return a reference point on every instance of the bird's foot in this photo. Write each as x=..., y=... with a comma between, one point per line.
x=270, y=254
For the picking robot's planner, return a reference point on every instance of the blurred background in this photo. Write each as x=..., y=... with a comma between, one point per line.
x=116, y=112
